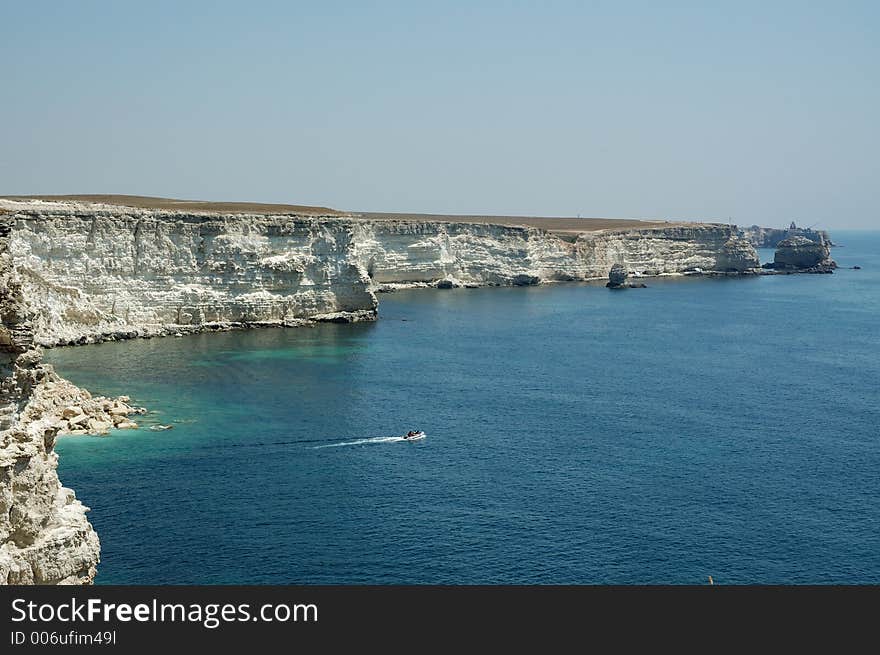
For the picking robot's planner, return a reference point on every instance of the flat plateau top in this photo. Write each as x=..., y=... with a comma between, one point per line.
x=560, y=225
x=172, y=204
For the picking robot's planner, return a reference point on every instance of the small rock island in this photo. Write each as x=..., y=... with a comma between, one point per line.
x=798, y=254
x=617, y=279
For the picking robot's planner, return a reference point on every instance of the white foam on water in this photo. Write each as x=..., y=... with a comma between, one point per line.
x=360, y=442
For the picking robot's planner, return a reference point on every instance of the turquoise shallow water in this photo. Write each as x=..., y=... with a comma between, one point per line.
x=575, y=435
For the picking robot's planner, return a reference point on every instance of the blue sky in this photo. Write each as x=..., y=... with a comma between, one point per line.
x=767, y=111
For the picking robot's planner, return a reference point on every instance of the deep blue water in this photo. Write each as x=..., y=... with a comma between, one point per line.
x=575, y=435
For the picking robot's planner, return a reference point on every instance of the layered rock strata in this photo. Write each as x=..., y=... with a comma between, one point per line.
x=399, y=254
x=97, y=272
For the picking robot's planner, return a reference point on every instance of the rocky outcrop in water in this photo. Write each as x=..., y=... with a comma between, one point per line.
x=617, y=279
x=617, y=275
x=44, y=535
x=801, y=254
x=77, y=412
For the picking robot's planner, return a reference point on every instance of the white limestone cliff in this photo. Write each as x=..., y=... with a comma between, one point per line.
x=92, y=272
x=405, y=253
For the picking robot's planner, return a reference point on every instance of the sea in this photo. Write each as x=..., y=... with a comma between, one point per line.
x=698, y=427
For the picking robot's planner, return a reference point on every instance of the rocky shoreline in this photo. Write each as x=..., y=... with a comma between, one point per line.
x=75, y=411
x=173, y=330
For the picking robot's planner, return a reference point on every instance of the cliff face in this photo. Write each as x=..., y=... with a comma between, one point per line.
x=406, y=253
x=44, y=535
x=119, y=272
x=668, y=250
x=90, y=272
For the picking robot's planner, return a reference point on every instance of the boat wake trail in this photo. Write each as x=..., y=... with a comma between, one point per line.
x=360, y=442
